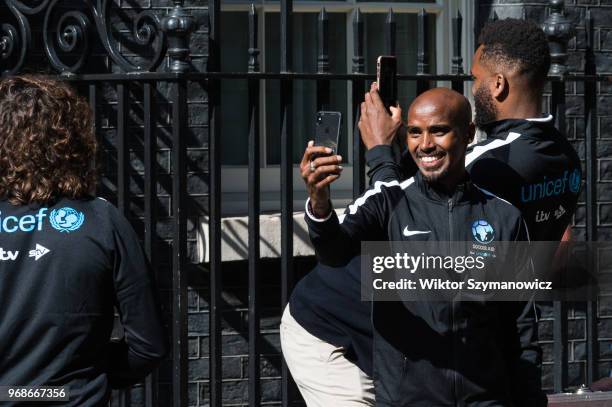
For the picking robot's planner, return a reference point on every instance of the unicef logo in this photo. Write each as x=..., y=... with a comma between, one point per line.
x=66, y=219
x=575, y=181
x=482, y=231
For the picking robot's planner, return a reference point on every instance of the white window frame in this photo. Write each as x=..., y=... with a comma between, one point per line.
x=234, y=177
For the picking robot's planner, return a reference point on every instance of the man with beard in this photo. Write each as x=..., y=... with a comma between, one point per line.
x=524, y=159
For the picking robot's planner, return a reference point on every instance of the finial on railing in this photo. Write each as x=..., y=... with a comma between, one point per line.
x=559, y=30
x=588, y=27
x=178, y=25
x=253, y=49
x=494, y=17
x=323, y=42
x=422, y=48
x=358, y=60
x=390, y=33
x=3, y=45
x=457, y=61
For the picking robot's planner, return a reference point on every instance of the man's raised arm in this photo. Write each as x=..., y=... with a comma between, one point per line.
x=336, y=241
x=381, y=135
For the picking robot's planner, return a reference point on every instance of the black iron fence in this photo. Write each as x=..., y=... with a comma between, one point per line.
x=138, y=85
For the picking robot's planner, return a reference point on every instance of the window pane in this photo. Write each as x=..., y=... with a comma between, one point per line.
x=234, y=96
x=304, y=91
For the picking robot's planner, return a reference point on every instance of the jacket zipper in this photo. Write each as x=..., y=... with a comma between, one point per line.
x=453, y=326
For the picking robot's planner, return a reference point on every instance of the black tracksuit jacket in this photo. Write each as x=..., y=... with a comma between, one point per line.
x=517, y=156
x=73, y=263
x=526, y=162
x=439, y=353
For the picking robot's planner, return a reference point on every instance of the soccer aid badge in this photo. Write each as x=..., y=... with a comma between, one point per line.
x=482, y=231
x=483, y=234
x=66, y=219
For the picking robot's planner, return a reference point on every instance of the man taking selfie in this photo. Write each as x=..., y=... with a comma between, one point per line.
x=510, y=69
x=488, y=353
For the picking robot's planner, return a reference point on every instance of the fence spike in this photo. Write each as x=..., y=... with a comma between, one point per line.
x=390, y=32
x=457, y=61
x=422, y=49
x=588, y=26
x=323, y=42
x=358, y=60
x=253, y=49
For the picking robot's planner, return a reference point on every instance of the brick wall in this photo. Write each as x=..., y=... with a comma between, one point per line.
x=601, y=13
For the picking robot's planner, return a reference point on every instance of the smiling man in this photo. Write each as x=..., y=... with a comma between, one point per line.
x=440, y=113
x=424, y=353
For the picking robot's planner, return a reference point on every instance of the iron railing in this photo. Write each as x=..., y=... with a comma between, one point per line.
x=169, y=37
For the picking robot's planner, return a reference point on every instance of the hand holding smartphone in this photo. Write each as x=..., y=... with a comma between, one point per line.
x=327, y=130
x=327, y=133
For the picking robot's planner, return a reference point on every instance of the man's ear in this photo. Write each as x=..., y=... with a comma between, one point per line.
x=499, y=86
x=471, y=132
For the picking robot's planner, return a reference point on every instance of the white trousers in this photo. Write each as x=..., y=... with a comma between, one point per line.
x=320, y=370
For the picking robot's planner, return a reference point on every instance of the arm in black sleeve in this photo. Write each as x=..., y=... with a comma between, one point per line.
x=386, y=163
x=527, y=365
x=382, y=165
x=145, y=343
x=338, y=240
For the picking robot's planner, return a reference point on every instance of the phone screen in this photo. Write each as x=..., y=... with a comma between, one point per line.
x=327, y=130
x=386, y=71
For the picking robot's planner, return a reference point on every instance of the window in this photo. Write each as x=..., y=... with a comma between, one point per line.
x=234, y=45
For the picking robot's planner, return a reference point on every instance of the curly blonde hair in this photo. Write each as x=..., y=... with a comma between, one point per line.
x=47, y=142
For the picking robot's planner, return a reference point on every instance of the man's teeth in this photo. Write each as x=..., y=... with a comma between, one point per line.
x=429, y=159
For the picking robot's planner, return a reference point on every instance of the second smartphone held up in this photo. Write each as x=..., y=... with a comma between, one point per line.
x=386, y=72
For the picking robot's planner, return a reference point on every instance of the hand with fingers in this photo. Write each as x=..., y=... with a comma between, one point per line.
x=375, y=124
x=319, y=169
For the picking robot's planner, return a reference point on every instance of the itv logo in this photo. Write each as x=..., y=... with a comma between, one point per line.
x=7, y=255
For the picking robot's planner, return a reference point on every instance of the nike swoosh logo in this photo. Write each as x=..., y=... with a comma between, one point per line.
x=415, y=232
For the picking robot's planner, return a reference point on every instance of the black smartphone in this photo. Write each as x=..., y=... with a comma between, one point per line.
x=327, y=130
x=386, y=78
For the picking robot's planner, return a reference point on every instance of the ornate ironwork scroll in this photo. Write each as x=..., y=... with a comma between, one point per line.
x=68, y=34
x=14, y=41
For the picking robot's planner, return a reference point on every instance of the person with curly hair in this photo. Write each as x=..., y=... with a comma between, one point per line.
x=67, y=259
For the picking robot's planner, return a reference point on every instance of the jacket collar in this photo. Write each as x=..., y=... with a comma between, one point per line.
x=500, y=128
x=462, y=192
